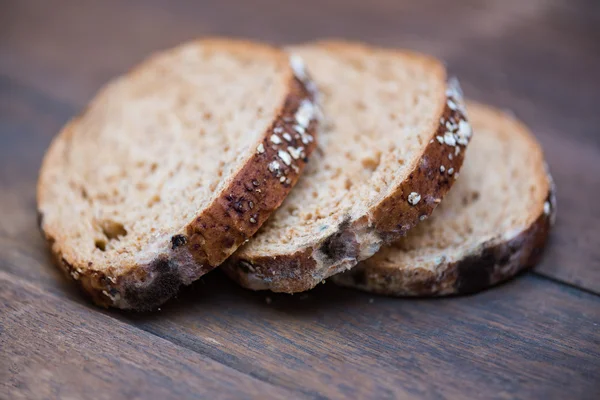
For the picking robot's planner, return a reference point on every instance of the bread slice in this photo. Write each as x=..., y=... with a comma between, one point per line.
x=493, y=223
x=173, y=166
x=392, y=121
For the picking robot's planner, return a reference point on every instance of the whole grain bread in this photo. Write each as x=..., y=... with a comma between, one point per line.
x=392, y=143
x=173, y=166
x=493, y=223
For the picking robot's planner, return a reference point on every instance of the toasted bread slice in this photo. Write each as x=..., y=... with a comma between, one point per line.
x=493, y=223
x=173, y=166
x=391, y=122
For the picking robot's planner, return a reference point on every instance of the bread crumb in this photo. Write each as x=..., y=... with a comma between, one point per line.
x=268, y=300
x=371, y=301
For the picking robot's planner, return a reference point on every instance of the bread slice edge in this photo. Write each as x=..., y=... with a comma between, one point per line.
x=253, y=193
x=412, y=200
x=489, y=264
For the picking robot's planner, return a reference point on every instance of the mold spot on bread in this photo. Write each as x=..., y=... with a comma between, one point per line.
x=341, y=245
x=165, y=282
x=475, y=272
x=246, y=267
x=177, y=241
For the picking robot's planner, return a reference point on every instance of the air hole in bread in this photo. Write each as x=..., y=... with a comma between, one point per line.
x=348, y=184
x=112, y=230
x=371, y=163
x=100, y=244
x=154, y=200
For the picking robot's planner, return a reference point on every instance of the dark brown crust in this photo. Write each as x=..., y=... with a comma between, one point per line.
x=392, y=217
x=252, y=195
x=490, y=264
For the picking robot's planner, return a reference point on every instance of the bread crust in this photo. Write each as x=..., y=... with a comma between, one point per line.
x=388, y=220
x=489, y=264
x=253, y=193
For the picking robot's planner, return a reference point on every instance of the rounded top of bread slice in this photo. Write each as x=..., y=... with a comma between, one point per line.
x=492, y=224
x=390, y=120
x=172, y=166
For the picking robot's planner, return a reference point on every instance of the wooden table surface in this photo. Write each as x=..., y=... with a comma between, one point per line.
x=535, y=337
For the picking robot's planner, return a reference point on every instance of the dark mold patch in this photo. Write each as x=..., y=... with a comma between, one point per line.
x=165, y=284
x=245, y=267
x=475, y=272
x=177, y=241
x=341, y=245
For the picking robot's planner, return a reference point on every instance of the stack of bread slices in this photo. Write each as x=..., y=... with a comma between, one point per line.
x=285, y=167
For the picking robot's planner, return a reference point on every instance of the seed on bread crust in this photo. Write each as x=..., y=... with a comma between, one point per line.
x=414, y=198
x=274, y=166
x=275, y=139
x=285, y=157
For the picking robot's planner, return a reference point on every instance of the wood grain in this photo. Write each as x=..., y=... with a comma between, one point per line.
x=530, y=338
x=527, y=339
x=54, y=348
